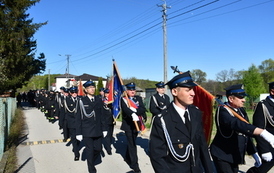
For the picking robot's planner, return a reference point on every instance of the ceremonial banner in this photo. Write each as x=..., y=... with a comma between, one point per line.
x=115, y=91
x=80, y=89
x=205, y=101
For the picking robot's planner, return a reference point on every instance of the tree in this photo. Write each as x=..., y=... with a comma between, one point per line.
x=198, y=76
x=17, y=45
x=99, y=85
x=267, y=70
x=254, y=84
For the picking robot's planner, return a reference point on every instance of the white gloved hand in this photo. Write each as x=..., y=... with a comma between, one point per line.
x=134, y=117
x=268, y=137
x=267, y=156
x=258, y=160
x=133, y=109
x=105, y=133
x=79, y=137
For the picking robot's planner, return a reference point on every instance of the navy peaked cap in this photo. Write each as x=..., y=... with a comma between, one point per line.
x=101, y=89
x=181, y=80
x=66, y=90
x=89, y=83
x=62, y=88
x=271, y=85
x=106, y=90
x=160, y=84
x=237, y=90
x=73, y=89
x=130, y=86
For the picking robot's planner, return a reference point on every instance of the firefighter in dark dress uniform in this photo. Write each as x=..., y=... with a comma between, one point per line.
x=232, y=139
x=109, y=121
x=159, y=101
x=129, y=115
x=177, y=141
x=90, y=124
x=70, y=105
x=263, y=118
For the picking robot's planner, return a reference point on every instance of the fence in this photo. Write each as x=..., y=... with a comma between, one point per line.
x=7, y=111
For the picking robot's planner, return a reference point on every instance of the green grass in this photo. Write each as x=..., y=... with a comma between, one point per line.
x=16, y=129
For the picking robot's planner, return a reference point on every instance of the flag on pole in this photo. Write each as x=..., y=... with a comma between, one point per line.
x=115, y=91
x=205, y=101
x=80, y=89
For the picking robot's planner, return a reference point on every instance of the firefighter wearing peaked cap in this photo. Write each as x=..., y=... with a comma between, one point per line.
x=90, y=124
x=70, y=106
x=263, y=118
x=129, y=115
x=159, y=101
x=177, y=141
x=233, y=137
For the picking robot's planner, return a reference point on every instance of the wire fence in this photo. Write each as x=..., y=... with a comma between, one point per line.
x=7, y=112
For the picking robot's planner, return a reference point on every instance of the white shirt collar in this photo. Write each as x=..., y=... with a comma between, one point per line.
x=181, y=111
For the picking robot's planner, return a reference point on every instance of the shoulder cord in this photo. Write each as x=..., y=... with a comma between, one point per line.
x=178, y=157
x=156, y=103
x=218, y=123
x=267, y=116
x=60, y=102
x=83, y=111
x=66, y=106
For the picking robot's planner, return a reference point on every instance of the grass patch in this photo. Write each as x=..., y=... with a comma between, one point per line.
x=16, y=128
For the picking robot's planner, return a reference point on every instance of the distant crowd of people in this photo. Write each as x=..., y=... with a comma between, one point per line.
x=177, y=142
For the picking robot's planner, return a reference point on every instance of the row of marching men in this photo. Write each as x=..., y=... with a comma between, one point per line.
x=82, y=118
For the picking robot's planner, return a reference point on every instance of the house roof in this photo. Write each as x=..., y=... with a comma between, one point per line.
x=83, y=77
x=66, y=75
x=86, y=77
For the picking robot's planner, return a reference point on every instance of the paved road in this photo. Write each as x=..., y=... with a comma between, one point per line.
x=42, y=150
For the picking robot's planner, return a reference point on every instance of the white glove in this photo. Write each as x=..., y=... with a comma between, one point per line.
x=268, y=137
x=267, y=156
x=133, y=109
x=258, y=160
x=134, y=117
x=105, y=133
x=79, y=137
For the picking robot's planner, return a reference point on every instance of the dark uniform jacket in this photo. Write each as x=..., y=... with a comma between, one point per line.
x=260, y=120
x=156, y=108
x=108, y=112
x=232, y=139
x=127, y=122
x=160, y=155
x=93, y=125
x=70, y=105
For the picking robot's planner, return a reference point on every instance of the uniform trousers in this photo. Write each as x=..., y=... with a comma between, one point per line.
x=108, y=138
x=93, y=147
x=131, y=152
x=224, y=166
x=75, y=143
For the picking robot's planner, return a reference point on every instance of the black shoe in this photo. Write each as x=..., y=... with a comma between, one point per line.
x=137, y=170
x=109, y=152
x=65, y=140
x=76, y=158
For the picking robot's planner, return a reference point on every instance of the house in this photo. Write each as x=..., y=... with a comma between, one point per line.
x=68, y=80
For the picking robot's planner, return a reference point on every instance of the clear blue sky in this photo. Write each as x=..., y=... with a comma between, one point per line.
x=201, y=35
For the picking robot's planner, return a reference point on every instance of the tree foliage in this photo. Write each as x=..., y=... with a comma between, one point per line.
x=267, y=70
x=17, y=45
x=253, y=82
x=198, y=76
x=99, y=85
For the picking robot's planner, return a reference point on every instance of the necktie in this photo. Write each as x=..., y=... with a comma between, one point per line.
x=187, y=122
x=92, y=99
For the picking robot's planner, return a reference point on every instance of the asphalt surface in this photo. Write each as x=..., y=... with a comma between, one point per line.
x=43, y=151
